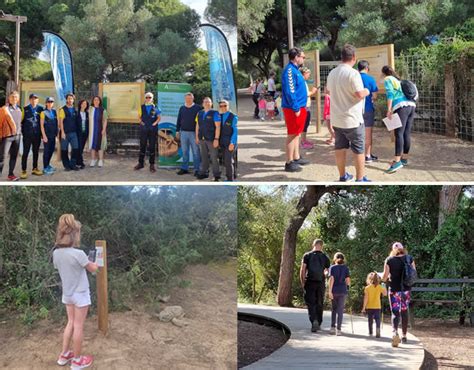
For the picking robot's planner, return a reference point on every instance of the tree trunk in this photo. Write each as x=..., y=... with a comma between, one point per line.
x=308, y=200
x=448, y=202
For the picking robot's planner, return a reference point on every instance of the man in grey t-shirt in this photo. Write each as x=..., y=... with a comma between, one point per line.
x=71, y=264
x=347, y=103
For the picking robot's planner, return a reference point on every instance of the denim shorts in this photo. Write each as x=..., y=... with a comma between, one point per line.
x=353, y=138
x=369, y=119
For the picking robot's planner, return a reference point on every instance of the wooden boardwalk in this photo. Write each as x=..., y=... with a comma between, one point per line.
x=306, y=350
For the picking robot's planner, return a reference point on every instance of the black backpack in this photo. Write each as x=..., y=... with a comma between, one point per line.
x=409, y=90
x=409, y=275
x=316, y=267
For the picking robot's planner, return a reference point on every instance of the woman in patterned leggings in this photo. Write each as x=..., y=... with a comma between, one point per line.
x=399, y=295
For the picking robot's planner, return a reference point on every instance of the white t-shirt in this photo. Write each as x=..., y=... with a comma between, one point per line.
x=271, y=84
x=346, y=110
x=71, y=263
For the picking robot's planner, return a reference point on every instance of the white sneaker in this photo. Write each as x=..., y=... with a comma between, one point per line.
x=66, y=358
x=93, y=162
x=338, y=332
x=101, y=163
x=332, y=330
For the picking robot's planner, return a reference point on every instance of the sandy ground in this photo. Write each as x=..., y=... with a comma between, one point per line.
x=117, y=168
x=137, y=340
x=262, y=156
x=447, y=345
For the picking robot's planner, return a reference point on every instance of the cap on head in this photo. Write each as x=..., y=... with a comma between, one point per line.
x=223, y=101
x=149, y=95
x=397, y=246
x=305, y=70
x=49, y=99
x=33, y=96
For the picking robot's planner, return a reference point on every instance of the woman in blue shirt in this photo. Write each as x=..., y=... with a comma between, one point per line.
x=398, y=103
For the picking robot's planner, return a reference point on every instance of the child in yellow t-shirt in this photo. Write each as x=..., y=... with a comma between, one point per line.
x=372, y=304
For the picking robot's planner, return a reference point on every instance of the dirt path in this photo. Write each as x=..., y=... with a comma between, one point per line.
x=447, y=345
x=139, y=341
x=261, y=155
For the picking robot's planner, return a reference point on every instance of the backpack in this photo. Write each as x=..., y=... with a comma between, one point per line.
x=409, y=90
x=409, y=274
x=315, y=267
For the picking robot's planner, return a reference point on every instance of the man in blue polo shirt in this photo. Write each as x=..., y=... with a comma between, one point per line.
x=294, y=99
x=369, y=110
x=228, y=141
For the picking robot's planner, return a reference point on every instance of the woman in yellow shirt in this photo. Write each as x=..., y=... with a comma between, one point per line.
x=372, y=304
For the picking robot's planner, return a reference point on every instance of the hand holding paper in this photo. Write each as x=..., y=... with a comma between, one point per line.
x=393, y=123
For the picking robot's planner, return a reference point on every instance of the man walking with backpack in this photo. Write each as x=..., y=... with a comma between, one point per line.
x=314, y=268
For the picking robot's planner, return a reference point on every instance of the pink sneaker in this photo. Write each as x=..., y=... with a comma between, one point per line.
x=65, y=358
x=307, y=145
x=82, y=362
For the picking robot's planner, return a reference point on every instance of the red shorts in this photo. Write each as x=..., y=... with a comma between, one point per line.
x=294, y=125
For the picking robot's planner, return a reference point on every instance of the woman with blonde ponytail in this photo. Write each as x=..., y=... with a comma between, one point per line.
x=72, y=264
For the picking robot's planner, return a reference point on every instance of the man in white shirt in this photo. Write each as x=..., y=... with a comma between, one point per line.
x=347, y=103
x=271, y=85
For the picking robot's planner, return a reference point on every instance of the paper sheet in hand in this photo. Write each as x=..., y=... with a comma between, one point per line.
x=393, y=123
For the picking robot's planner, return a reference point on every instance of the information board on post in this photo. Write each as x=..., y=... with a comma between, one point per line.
x=43, y=89
x=170, y=99
x=122, y=100
x=102, y=286
x=377, y=56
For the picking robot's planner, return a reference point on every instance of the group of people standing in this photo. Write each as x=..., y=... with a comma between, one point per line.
x=33, y=124
x=204, y=132
x=349, y=103
x=316, y=268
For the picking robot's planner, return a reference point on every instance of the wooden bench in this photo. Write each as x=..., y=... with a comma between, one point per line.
x=456, y=289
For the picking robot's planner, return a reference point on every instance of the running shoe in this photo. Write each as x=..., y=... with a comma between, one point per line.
x=301, y=161
x=346, y=178
x=395, y=167
x=37, y=172
x=315, y=326
x=395, y=340
x=292, y=167
x=81, y=362
x=364, y=179
x=65, y=358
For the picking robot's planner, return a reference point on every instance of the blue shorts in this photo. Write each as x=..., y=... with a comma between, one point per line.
x=369, y=119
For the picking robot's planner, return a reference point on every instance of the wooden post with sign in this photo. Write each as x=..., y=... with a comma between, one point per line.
x=102, y=288
x=317, y=84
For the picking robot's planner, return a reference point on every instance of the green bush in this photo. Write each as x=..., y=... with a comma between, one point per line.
x=152, y=234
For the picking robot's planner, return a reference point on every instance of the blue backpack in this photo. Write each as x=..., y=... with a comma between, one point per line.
x=409, y=275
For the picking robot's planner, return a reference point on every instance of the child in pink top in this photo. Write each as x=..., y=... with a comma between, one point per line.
x=326, y=118
x=270, y=106
x=262, y=107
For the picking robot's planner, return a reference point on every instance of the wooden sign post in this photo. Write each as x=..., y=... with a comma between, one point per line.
x=102, y=288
